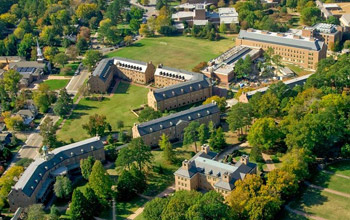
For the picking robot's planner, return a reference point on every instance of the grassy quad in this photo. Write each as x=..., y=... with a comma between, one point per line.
x=116, y=107
x=342, y=168
x=178, y=52
x=56, y=84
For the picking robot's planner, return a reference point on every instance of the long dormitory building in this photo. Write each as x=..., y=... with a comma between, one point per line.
x=299, y=50
x=174, y=124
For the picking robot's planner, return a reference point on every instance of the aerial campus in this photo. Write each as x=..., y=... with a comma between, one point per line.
x=174, y=110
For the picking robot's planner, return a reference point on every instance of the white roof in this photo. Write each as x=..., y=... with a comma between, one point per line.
x=200, y=22
x=182, y=14
x=187, y=75
x=231, y=11
x=229, y=20
x=331, y=5
x=345, y=19
x=118, y=60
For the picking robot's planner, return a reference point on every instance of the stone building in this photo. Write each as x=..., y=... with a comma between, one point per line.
x=329, y=33
x=197, y=89
x=174, y=124
x=203, y=172
x=299, y=50
x=167, y=76
x=36, y=183
x=126, y=69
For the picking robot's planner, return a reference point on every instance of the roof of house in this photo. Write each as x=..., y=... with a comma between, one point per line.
x=173, y=119
x=26, y=112
x=197, y=82
x=27, y=64
x=345, y=18
x=201, y=163
x=102, y=69
x=3, y=136
x=36, y=170
x=285, y=40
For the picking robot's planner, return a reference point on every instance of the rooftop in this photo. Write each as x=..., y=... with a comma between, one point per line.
x=284, y=39
x=325, y=28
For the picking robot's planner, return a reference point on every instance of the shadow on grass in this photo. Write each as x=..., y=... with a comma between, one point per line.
x=339, y=166
x=124, y=209
x=137, y=44
x=310, y=197
x=122, y=88
x=322, y=179
x=158, y=180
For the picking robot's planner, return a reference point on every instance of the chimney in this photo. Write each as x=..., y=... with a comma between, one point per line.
x=205, y=148
x=244, y=159
x=280, y=34
x=160, y=65
x=186, y=165
x=296, y=36
x=226, y=177
x=250, y=30
x=307, y=32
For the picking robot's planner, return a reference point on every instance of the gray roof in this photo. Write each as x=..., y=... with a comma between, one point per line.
x=201, y=163
x=197, y=82
x=33, y=174
x=102, y=69
x=173, y=119
x=272, y=38
x=26, y=112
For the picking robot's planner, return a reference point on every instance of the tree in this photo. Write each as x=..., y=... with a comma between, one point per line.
x=100, y=181
x=154, y=208
x=135, y=153
x=282, y=182
x=91, y=57
x=54, y=213
x=310, y=15
x=85, y=11
x=82, y=45
x=345, y=151
x=96, y=126
x=222, y=27
x=116, y=9
x=167, y=148
x=221, y=3
x=220, y=102
x=48, y=132
x=243, y=67
x=93, y=201
x=7, y=180
x=60, y=59
x=63, y=104
x=35, y=212
x=148, y=114
x=86, y=166
x=220, y=141
x=135, y=24
x=50, y=52
x=128, y=40
x=267, y=105
x=24, y=48
x=62, y=187
x=79, y=207
x=19, y=33
x=11, y=81
x=191, y=134
x=240, y=116
x=120, y=124
x=13, y=123
x=72, y=52
x=297, y=162
x=129, y=183
x=264, y=134
x=203, y=134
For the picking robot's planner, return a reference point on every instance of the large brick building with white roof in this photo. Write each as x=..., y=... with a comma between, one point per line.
x=299, y=50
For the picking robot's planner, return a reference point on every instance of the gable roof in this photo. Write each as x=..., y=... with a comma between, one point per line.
x=286, y=40
x=173, y=119
x=36, y=170
x=102, y=69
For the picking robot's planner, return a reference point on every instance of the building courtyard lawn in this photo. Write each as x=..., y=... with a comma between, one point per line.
x=178, y=52
x=116, y=107
x=56, y=84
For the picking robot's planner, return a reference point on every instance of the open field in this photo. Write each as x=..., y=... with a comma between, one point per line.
x=116, y=107
x=56, y=84
x=178, y=52
x=326, y=204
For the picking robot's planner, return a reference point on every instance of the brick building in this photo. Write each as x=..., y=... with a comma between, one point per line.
x=126, y=69
x=174, y=124
x=197, y=89
x=203, y=172
x=329, y=33
x=299, y=50
x=36, y=183
x=167, y=76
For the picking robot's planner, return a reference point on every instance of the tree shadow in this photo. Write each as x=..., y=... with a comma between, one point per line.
x=158, y=180
x=122, y=88
x=322, y=179
x=308, y=198
x=137, y=44
x=77, y=115
x=339, y=166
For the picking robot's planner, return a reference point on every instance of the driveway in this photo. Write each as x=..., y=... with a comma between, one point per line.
x=151, y=9
x=77, y=81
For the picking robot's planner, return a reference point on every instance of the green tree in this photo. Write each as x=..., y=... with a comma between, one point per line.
x=93, y=201
x=54, y=213
x=191, y=134
x=220, y=101
x=60, y=59
x=154, y=208
x=35, y=212
x=64, y=104
x=130, y=182
x=148, y=114
x=86, y=166
x=62, y=187
x=310, y=15
x=11, y=81
x=97, y=125
x=48, y=132
x=100, y=181
x=267, y=105
x=203, y=134
x=222, y=27
x=264, y=134
x=167, y=148
x=297, y=162
x=282, y=182
x=345, y=151
x=79, y=207
x=240, y=116
x=91, y=57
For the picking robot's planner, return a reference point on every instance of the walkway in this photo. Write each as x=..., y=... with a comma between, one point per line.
x=327, y=190
x=340, y=175
x=306, y=215
x=269, y=163
x=165, y=193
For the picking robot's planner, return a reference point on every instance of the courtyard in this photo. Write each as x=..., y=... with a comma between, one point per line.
x=115, y=107
x=178, y=52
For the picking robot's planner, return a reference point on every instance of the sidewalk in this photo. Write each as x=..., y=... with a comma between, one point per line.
x=327, y=190
x=166, y=192
x=269, y=163
x=306, y=215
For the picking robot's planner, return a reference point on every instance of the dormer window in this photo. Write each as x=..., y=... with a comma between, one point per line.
x=61, y=158
x=72, y=154
x=92, y=147
x=151, y=129
x=82, y=151
x=208, y=112
x=46, y=168
x=189, y=117
x=171, y=123
x=161, y=126
x=199, y=115
x=191, y=88
x=40, y=174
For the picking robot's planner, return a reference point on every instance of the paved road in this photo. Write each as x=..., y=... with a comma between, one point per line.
x=151, y=9
x=77, y=81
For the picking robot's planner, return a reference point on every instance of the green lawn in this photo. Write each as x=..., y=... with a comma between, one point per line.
x=291, y=216
x=297, y=69
x=114, y=108
x=342, y=168
x=124, y=209
x=73, y=66
x=178, y=52
x=56, y=84
x=323, y=204
x=332, y=182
